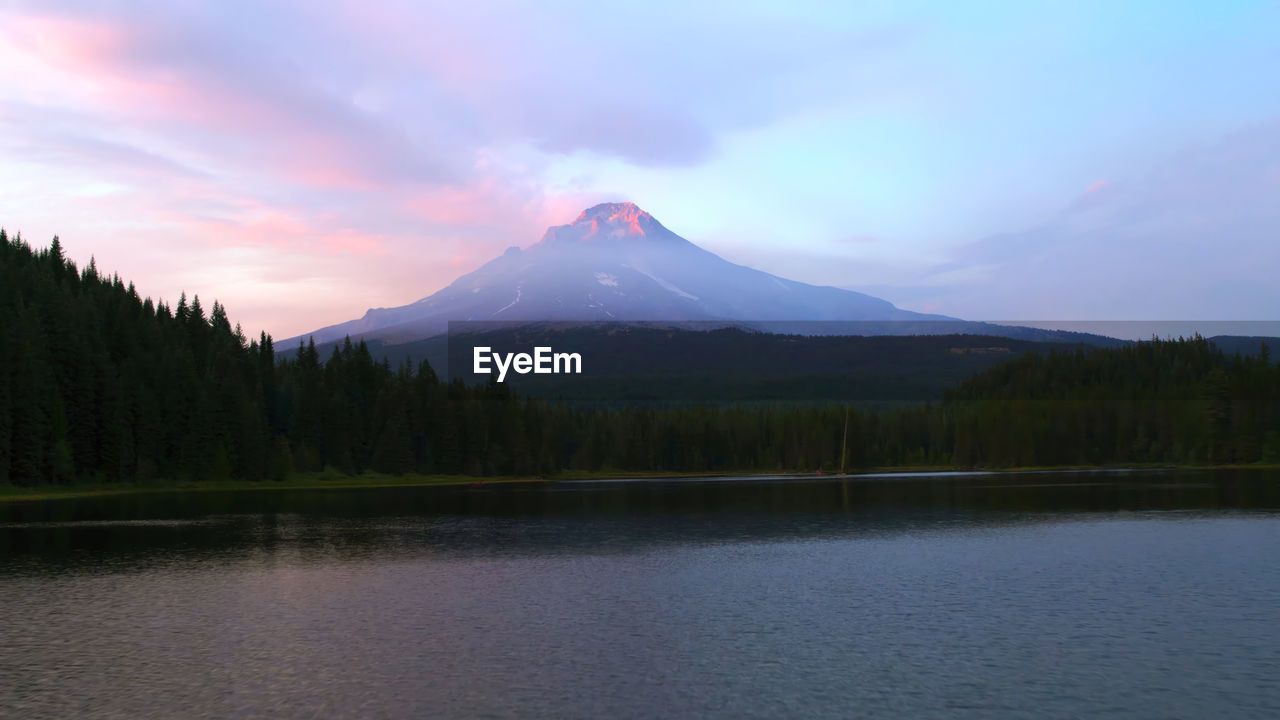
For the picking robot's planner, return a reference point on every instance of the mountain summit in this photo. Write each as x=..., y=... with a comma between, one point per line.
x=610, y=221
x=615, y=262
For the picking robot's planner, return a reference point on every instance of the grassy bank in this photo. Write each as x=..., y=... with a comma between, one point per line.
x=334, y=481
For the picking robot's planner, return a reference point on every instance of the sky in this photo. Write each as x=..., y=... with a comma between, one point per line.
x=302, y=162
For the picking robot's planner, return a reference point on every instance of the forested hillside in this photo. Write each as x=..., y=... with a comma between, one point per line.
x=99, y=384
x=1181, y=401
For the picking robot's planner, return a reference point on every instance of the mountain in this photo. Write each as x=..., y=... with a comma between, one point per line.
x=1246, y=345
x=615, y=262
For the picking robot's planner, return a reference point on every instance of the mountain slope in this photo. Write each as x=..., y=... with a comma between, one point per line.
x=615, y=262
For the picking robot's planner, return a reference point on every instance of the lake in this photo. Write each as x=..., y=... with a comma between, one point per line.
x=1152, y=594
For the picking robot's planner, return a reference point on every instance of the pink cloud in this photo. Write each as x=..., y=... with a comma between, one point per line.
x=138, y=77
x=519, y=212
x=486, y=202
x=67, y=42
x=259, y=225
x=1097, y=194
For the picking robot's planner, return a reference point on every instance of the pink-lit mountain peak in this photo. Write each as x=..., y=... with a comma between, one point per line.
x=609, y=221
x=625, y=213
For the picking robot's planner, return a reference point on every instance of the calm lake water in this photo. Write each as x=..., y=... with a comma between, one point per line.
x=1144, y=594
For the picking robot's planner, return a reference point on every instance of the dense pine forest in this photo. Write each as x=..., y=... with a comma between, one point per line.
x=100, y=384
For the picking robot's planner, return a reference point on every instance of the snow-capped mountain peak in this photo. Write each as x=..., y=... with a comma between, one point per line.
x=609, y=221
x=624, y=214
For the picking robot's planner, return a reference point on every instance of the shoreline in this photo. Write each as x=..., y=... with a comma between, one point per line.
x=317, y=481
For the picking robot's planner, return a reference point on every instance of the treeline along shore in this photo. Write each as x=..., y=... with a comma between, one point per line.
x=100, y=385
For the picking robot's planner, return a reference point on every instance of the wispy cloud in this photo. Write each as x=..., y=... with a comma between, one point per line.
x=1191, y=237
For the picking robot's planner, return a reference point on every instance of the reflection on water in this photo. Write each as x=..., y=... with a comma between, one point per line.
x=597, y=516
x=1142, y=594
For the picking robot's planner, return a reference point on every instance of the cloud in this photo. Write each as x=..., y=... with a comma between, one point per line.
x=1191, y=237
x=66, y=139
x=358, y=95
x=636, y=82
x=179, y=81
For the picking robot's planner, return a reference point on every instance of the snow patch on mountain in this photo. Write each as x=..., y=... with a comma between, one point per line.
x=597, y=305
x=669, y=287
x=519, y=293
